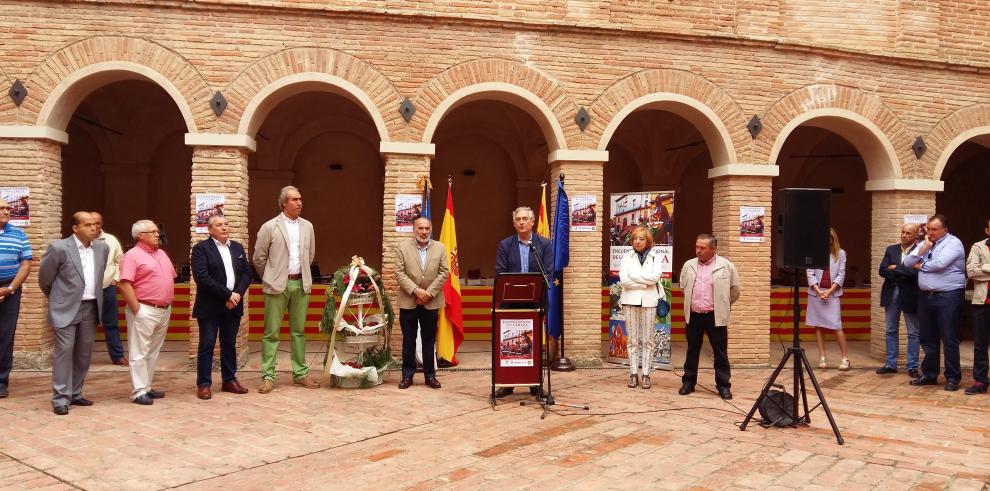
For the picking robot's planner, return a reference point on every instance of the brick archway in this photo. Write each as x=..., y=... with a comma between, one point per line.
x=259, y=88
x=861, y=118
x=64, y=79
x=702, y=103
x=497, y=79
x=951, y=132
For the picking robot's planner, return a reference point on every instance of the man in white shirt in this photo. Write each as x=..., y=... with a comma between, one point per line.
x=71, y=276
x=283, y=252
x=110, y=314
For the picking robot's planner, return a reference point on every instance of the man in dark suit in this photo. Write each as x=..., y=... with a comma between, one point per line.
x=71, y=276
x=517, y=253
x=900, y=295
x=220, y=269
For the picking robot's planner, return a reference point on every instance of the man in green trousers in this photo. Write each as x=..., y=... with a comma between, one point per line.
x=282, y=255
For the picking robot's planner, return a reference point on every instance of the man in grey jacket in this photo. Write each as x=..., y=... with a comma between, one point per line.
x=71, y=276
x=710, y=284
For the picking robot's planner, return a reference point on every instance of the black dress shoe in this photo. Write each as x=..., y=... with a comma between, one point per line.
x=81, y=401
x=952, y=386
x=914, y=373
x=976, y=388
x=883, y=370
x=725, y=393
x=143, y=400
x=445, y=364
x=3, y=392
x=503, y=391
x=61, y=410
x=405, y=383
x=433, y=383
x=923, y=381
x=155, y=394
x=686, y=389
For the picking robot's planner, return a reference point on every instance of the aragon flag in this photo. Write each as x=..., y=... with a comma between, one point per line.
x=450, y=325
x=542, y=224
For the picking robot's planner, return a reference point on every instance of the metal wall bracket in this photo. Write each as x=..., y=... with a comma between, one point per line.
x=218, y=103
x=755, y=126
x=919, y=147
x=18, y=92
x=406, y=109
x=583, y=119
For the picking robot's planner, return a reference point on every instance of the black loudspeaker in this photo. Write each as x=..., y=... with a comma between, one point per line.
x=803, y=216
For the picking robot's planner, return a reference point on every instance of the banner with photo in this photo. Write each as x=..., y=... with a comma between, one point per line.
x=17, y=198
x=655, y=210
x=516, y=343
x=751, y=227
x=207, y=205
x=407, y=209
x=583, y=213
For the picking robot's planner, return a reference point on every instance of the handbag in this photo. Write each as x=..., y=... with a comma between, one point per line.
x=663, y=306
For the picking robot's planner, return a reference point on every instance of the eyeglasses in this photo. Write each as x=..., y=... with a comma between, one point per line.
x=152, y=232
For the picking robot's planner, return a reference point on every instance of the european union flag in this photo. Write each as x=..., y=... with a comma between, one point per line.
x=561, y=241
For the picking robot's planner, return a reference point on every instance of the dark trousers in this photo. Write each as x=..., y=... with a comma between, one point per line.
x=109, y=320
x=425, y=321
x=981, y=335
x=10, y=308
x=938, y=318
x=227, y=324
x=700, y=326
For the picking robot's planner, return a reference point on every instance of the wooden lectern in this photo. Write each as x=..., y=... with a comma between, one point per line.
x=517, y=330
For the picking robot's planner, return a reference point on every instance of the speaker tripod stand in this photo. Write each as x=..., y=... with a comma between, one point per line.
x=801, y=366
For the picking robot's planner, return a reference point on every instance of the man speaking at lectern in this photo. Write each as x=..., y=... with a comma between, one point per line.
x=517, y=254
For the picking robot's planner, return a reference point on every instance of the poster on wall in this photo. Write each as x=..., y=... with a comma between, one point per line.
x=583, y=213
x=516, y=343
x=207, y=205
x=407, y=210
x=921, y=220
x=654, y=210
x=751, y=223
x=17, y=198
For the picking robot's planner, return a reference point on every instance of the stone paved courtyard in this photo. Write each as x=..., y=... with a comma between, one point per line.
x=897, y=436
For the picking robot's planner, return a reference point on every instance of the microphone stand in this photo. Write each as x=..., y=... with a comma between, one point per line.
x=547, y=400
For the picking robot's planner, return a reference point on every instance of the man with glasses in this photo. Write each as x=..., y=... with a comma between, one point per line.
x=15, y=264
x=517, y=254
x=147, y=282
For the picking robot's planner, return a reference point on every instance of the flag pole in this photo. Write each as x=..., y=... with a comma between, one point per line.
x=561, y=363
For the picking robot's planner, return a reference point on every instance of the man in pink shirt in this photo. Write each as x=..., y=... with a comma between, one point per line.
x=147, y=283
x=710, y=284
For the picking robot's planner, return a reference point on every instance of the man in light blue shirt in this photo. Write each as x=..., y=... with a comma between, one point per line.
x=941, y=264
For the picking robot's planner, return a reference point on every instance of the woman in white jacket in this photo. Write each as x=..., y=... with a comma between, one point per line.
x=639, y=275
x=824, y=312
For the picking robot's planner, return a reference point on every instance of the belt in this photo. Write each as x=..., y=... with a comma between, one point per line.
x=4, y=283
x=933, y=293
x=90, y=300
x=295, y=276
x=702, y=313
x=155, y=305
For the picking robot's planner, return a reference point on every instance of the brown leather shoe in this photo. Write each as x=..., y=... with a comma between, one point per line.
x=122, y=362
x=405, y=383
x=233, y=386
x=306, y=382
x=433, y=383
x=203, y=392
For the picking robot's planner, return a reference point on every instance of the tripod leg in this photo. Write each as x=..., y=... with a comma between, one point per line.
x=821, y=397
x=804, y=394
x=763, y=393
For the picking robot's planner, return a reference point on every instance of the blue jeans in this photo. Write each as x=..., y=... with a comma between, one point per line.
x=109, y=320
x=938, y=318
x=893, y=317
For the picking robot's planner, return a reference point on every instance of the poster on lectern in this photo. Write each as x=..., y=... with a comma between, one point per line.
x=655, y=211
x=17, y=198
x=207, y=205
x=516, y=343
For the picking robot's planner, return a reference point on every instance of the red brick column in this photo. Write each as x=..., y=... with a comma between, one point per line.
x=583, y=275
x=889, y=207
x=37, y=164
x=749, y=326
x=221, y=170
x=405, y=164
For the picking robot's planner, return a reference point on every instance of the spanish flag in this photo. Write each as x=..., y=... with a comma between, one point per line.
x=450, y=327
x=542, y=224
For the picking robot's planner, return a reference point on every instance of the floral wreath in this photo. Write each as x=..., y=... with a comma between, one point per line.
x=352, y=279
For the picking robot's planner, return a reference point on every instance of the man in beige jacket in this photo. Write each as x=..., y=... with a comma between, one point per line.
x=978, y=270
x=421, y=269
x=710, y=284
x=283, y=252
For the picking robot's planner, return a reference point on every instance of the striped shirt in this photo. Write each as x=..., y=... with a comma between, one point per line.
x=14, y=248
